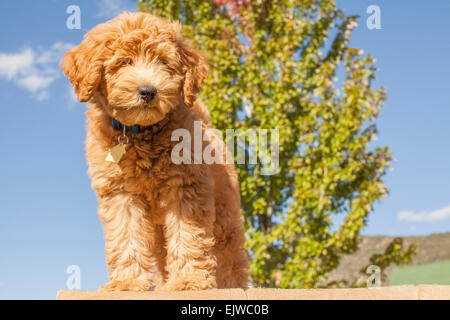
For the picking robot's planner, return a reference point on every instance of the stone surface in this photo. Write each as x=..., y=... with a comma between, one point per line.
x=434, y=292
x=384, y=293
x=216, y=294
x=423, y=292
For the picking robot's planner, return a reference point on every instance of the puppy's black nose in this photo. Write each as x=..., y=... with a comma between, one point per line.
x=147, y=93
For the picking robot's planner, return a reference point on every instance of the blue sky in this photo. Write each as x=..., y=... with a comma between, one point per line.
x=48, y=209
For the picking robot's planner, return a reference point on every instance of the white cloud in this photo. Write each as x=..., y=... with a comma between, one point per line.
x=55, y=53
x=35, y=82
x=33, y=70
x=432, y=216
x=13, y=64
x=111, y=8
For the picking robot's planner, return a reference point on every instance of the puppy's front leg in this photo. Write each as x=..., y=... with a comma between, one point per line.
x=129, y=236
x=189, y=221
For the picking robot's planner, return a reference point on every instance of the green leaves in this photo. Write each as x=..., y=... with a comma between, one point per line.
x=274, y=65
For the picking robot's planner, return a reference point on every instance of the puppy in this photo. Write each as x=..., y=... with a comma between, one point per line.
x=176, y=226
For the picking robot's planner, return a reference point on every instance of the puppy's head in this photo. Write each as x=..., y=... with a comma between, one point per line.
x=137, y=67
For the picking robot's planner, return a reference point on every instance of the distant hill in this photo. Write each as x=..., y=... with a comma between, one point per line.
x=432, y=248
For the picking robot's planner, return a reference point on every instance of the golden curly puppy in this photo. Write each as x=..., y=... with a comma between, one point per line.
x=176, y=226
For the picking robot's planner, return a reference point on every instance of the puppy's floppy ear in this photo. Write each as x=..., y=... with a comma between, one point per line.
x=195, y=68
x=83, y=65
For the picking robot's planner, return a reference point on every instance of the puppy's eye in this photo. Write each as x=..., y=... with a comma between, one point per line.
x=162, y=62
x=166, y=64
x=125, y=62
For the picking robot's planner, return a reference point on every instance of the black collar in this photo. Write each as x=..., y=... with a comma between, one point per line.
x=134, y=128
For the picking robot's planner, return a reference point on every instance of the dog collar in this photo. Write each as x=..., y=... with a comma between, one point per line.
x=134, y=128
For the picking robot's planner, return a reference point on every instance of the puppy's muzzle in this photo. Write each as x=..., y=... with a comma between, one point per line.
x=148, y=94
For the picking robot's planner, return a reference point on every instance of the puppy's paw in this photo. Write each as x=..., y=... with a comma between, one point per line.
x=126, y=285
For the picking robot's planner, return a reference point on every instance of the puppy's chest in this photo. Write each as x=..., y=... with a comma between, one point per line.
x=145, y=158
x=140, y=169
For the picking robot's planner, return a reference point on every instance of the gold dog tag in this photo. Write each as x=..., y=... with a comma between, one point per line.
x=116, y=153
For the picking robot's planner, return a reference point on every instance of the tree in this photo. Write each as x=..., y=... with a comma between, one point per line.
x=274, y=64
